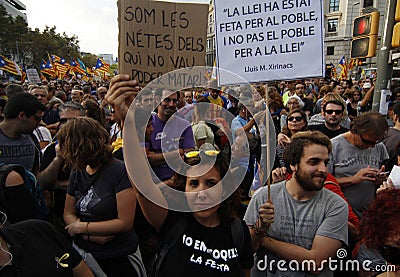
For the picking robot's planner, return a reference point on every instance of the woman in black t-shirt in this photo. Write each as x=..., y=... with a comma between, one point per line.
x=100, y=203
x=202, y=241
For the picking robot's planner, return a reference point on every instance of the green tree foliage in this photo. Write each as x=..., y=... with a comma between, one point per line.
x=89, y=59
x=35, y=45
x=50, y=42
x=11, y=30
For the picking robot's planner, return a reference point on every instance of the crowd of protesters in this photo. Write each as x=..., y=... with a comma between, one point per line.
x=332, y=154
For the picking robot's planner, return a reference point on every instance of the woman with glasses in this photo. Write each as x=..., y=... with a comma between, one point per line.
x=294, y=103
x=100, y=203
x=296, y=121
x=203, y=243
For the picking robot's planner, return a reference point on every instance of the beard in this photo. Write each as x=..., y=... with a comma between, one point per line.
x=307, y=182
x=333, y=125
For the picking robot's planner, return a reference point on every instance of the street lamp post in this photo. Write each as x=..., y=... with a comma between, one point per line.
x=21, y=42
x=350, y=34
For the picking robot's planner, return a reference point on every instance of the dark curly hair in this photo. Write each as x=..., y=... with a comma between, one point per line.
x=382, y=219
x=230, y=206
x=295, y=150
x=84, y=141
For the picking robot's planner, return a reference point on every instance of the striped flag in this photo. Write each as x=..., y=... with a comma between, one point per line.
x=76, y=68
x=61, y=67
x=9, y=66
x=343, y=66
x=47, y=68
x=102, y=66
x=82, y=65
x=23, y=73
x=352, y=64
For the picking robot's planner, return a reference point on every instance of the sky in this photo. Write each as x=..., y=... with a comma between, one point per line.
x=94, y=22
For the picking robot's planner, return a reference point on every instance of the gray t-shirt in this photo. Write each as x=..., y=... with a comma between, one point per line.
x=346, y=160
x=21, y=150
x=298, y=222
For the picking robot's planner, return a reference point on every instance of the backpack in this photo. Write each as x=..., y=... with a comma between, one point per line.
x=23, y=201
x=177, y=231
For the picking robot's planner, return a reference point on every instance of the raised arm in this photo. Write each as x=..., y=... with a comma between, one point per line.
x=120, y=95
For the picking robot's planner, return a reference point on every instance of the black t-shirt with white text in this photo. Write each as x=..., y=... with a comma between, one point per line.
x=206, y=251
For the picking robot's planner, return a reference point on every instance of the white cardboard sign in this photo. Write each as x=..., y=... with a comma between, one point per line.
x=263, y=40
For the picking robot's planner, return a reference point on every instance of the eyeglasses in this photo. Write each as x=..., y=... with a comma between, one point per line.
x=391, y=254
x=333, y=111
x=169, y=100
x=293, y=118
x=369, y=142
x=293, y=103
x=196, y=153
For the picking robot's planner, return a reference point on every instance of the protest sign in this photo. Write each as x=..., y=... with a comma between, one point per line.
x=269, y=40
x=159, y=37
x=33, y=76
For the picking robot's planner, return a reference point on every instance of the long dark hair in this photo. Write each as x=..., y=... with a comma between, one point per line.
x=285, y=129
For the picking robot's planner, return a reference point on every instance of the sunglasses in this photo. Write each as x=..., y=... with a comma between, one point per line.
x=369, y=142
x=293, y=118
x=333, y=111
x=196, y=153
x=391, y=254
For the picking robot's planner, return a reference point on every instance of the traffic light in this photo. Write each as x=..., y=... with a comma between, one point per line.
x=365, y=36
x=396, y=28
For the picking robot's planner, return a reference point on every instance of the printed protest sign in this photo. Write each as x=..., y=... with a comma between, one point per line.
x=159, y=37
x=269, y=40
x=33, y=76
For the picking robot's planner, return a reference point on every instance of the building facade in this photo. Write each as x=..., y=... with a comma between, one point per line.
x=14, y=8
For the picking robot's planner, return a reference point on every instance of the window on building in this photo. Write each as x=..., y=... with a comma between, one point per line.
x=330, y=50
x=368, y=3
x=334, y=5
x=332, y=25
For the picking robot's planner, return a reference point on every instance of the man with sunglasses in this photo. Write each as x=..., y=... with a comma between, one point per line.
x=22, y=114
x=357, y=158
x=170, y=133
x=333, y=112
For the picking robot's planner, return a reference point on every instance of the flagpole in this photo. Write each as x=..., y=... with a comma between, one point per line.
x=267, y=144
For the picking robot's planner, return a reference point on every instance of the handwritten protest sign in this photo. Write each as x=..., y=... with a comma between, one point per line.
x=269, y=40
x=158, y=37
